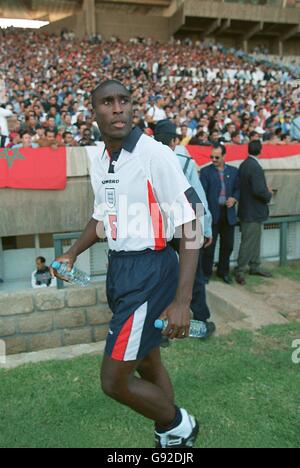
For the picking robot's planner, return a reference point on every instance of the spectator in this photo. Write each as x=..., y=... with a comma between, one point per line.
x=41, y=277
x=49, y=140
x=4, y=133
x=68, y=140
x=87, y=139
x=26, y=141
x=40, y=133
x=185, y=135
x=201, y=139
x=221, y=184
x=156, y=111
x=204, y=85
x=236, y=138
x=253, y=211
x=295, y=127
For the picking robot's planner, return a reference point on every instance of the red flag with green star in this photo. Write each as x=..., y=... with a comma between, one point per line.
x=35, y=169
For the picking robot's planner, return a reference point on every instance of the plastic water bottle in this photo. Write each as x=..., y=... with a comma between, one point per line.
x=74, y=276
x=197, y=329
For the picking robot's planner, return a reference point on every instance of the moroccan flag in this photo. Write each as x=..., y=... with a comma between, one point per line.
x=35, y=169
x=201, y=154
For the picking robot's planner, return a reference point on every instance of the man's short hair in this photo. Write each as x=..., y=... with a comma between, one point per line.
x=41, y=259
x=50, y=131
x=218, y=146
x=255, y=148
x=103, y=85
x=253, y=134
x=25, y=132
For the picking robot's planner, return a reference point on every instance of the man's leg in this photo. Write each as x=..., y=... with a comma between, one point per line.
x=199, y=305
x=255, y=261
x=152, y=370
x=226, y=248
x=209, y=253
x=148, y=399
x=245, y=253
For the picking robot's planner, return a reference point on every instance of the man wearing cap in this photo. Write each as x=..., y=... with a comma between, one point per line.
x=165, y=132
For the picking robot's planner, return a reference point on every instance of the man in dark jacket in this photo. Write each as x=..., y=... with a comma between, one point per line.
x=221, y=184
x=253, y=211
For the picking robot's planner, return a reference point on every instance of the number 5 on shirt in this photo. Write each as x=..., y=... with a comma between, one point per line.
x=113, y=220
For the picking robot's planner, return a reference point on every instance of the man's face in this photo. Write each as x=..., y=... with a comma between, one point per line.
x=217, y=157
x=215, y=136
x=83, y=128
x=87, y=134
x=26, y=140
x=39, y=265
x=50, y=136
x=255, y=137
x=68, y=139
x=114, y=112
x=237, y=139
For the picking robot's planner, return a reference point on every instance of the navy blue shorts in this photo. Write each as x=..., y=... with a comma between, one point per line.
x=140, y=286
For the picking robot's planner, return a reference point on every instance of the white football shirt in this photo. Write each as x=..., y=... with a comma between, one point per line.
x=139, y=194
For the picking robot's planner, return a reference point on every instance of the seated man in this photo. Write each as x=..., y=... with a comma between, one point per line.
x=42, y=278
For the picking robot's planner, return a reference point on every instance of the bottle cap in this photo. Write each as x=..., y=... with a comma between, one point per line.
x=56, y=265
x=159, y=324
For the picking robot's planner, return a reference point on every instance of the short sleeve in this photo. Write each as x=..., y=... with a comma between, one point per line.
x=98, y=214
x=170, y=186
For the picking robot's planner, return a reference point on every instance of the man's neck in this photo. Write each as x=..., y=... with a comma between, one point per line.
x=221, y=168
x=113, y=145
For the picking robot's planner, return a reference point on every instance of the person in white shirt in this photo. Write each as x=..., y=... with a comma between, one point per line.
x=4, y=132
x=141, y=199
x=156, y=112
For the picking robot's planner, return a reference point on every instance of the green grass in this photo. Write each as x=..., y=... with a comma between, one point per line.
x=291, y=271
x=244, y=388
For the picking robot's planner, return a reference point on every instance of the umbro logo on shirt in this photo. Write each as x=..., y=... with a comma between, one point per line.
x=110, y=182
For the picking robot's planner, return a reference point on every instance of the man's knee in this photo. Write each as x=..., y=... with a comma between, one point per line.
x=115, y=384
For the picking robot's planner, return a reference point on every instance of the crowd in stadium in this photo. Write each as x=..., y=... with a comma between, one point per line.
x=211, y=94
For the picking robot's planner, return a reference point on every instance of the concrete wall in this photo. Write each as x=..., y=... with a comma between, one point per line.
x=212, y=9
x=46, y=211
x=125, y=25
x=31, y=321
x=76, y=23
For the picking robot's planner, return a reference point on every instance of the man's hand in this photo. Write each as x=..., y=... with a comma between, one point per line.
x=208, y=241
x=68, y=258
x=230, y=202
x=179, y=319
x=271, y=190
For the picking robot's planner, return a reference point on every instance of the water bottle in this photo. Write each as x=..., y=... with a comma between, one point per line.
x=74, y=276
x=197, y=329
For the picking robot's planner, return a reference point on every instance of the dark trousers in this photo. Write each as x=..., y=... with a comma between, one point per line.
x=226, y=233
x=2, y=141
x=250, y=247
x=199, y=306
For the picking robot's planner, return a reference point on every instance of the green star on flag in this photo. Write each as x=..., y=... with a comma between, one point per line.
x=11, y=155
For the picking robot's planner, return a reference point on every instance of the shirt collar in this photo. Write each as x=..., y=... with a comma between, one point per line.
x=254, y=157
x=132, y=139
